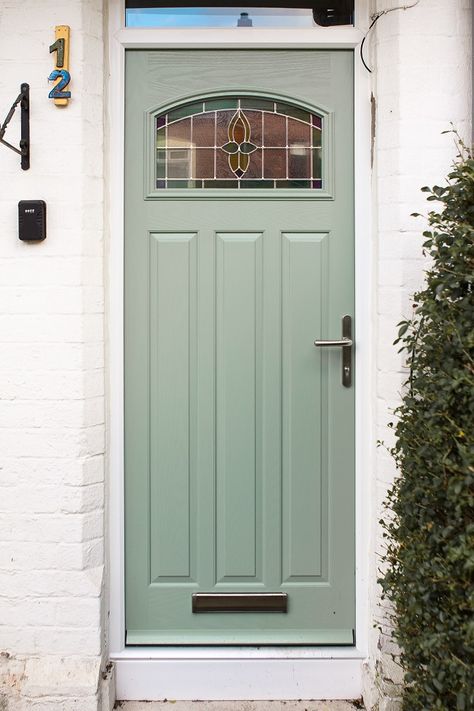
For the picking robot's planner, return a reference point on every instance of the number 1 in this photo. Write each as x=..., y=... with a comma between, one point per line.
x=58, y=47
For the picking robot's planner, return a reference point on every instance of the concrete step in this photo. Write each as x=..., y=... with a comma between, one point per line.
x=238, y=705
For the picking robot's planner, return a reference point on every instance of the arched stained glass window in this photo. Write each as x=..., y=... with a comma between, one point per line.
x=238, y=142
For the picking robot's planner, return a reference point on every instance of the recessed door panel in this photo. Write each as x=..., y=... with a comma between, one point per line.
x=239, y=286
x=304, y=406
x=172, y=402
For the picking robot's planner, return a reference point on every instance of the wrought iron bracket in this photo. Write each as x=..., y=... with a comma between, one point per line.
x=23, y=100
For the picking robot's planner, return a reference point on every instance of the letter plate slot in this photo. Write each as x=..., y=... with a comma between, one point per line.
x=240, y=602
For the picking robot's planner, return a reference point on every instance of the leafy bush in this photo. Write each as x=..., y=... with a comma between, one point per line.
x=430, y=530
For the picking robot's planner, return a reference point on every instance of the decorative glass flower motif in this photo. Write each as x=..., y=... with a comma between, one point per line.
x=239, y=146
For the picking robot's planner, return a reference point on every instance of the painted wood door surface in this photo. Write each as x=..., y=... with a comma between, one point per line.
x=239, y=434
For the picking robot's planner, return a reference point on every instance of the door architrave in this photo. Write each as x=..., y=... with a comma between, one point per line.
x=219, y=672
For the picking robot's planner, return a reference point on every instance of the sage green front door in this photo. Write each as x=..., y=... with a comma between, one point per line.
x=239, y=432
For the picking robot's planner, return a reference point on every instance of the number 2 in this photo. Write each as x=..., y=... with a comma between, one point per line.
x=57, y=91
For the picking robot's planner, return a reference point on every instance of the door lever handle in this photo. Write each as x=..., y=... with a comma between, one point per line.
x=346, y=344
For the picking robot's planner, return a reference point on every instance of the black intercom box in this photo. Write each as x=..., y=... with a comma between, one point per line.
x=32, y=220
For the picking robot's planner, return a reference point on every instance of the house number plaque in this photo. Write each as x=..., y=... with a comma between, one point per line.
x=60, y=74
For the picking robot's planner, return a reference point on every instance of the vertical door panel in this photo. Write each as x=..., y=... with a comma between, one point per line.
x=304, y=271
x=172, y=332
x=239, y=286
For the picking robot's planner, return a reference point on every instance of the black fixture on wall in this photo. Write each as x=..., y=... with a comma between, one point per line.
x=23, y=150
x=325, y=12
x=328, y=14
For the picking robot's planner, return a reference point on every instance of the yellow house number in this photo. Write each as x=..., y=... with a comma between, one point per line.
x=60, y=75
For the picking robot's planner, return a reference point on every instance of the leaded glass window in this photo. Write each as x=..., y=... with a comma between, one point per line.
x=238, y=142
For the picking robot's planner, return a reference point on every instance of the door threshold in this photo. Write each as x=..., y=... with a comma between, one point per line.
x=238, y=652
x=248, y=677
x=231, y=638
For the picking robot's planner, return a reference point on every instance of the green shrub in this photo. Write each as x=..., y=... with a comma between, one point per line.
x=430, y=528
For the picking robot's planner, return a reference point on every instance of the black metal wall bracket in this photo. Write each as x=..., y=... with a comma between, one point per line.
x=23, y=99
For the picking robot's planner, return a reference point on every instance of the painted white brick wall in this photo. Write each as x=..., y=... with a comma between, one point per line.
x=52, y=370
x=421, y=83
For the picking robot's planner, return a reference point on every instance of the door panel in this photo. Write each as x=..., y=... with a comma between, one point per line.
x=172, y=333
x=304, y=270
x=239, y=435
x=239, y=336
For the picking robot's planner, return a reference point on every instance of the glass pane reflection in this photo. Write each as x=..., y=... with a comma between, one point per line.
x=217, y=17
x=238, y=142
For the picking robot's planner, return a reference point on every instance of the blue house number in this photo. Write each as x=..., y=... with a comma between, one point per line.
x=57, y=90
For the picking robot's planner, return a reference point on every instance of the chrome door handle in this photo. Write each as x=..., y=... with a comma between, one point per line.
x=346, y=344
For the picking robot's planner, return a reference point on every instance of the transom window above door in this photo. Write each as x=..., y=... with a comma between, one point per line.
x=263, y=13
x=239, y=142
x=218, y=17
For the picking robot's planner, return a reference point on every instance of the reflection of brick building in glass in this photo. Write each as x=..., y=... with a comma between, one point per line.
x=232, y=142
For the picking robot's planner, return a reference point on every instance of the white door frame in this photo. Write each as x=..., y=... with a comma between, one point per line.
x=152, y=673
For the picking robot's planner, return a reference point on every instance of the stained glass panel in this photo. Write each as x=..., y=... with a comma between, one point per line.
x=274, y=163
x=204, y=166
x=239, y=143
x=298, y=133
x=216, y=104
x=179, y=134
